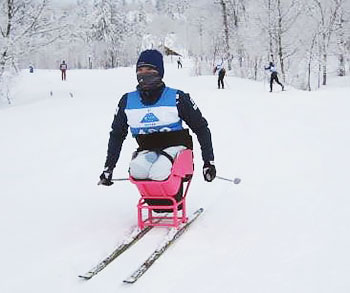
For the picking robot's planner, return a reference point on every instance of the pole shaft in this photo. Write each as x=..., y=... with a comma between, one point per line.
x=235, y=181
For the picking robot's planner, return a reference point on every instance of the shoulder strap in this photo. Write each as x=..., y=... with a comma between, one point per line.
x=161, y=152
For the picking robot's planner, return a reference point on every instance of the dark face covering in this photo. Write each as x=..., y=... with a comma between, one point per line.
x=149, y=81
x=151, y=86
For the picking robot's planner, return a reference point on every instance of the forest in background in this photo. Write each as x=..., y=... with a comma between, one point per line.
x=308, y=40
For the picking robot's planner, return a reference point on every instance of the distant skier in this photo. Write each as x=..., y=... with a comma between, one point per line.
x=179, y=64
x=31, y=68
x=273, y=77
x=154, y=113
x=221, y=74
x=63, y=68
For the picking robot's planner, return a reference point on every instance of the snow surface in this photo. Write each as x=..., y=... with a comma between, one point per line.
x=285, y=228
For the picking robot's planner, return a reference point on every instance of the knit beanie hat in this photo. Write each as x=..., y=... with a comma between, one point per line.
x=153, y=59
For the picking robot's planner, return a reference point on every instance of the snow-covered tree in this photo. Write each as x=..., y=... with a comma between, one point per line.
x=26, y=26
x=326, y=13
x=303, y=37
x=110, y=28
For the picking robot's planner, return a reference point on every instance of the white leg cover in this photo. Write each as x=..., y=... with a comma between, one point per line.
x=161, y=168
x=140, y=166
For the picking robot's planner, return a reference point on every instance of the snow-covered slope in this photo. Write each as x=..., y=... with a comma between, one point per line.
x=285, y=228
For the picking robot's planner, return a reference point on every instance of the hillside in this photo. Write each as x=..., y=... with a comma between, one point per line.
x=283, y=229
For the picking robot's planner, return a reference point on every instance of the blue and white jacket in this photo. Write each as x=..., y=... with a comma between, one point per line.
x=165, y=115
x=271, y=68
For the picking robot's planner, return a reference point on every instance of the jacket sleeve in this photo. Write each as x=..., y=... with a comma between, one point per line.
x=118, y=134
x=190, y=113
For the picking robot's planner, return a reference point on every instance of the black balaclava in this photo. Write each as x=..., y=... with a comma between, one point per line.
x=150, y=86
x=149, y=81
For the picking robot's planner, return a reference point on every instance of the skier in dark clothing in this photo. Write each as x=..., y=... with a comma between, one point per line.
x=273, y=76
x=221, y=74
x=63, y=68
x=154, y=113
x=179, y=64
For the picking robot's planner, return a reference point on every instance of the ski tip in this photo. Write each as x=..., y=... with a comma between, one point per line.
x=84, y=277
x=200, y=210
x=129, y=281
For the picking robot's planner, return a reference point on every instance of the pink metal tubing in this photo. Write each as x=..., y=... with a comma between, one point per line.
x=176, y=219
x=139, y=218
x=187, y=186
x=150, y=220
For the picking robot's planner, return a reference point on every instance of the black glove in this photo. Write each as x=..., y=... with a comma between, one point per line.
x=106, y=177
x=209, y=171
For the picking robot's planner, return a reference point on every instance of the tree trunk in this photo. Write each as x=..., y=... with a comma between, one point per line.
x=279, y=40
x=255, y=68
x=341, y=46
x=112, y=60
x=319, y=66
x=309, y=63
x=270, y=31
x=341, y=69
x=227, y=36
x=324, y=60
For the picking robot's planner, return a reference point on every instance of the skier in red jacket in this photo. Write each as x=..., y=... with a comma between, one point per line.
x=63, y=68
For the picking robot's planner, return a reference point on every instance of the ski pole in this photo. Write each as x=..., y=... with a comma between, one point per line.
x=235, y=181
x=226, y=83
x=116, y=179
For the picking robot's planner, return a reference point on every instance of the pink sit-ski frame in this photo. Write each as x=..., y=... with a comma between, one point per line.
x=167, y=189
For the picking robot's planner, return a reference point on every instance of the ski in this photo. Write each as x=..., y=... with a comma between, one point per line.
x=136, y=235
x=169, y=240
